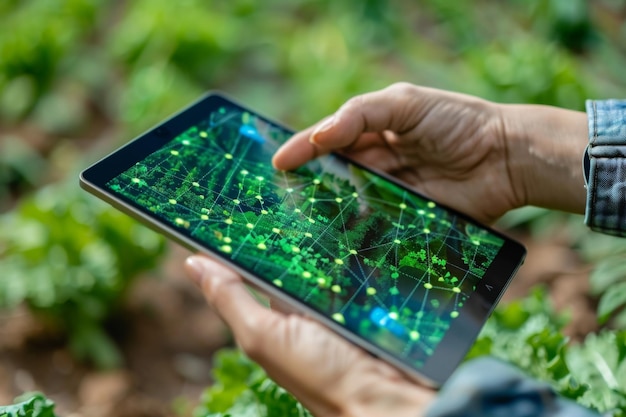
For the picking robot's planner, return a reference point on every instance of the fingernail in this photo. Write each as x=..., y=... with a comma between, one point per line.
x=195, y=269
x=324, y=127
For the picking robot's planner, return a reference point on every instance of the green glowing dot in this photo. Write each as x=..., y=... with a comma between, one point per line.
x=316, y=181
x=312, y=200
x=244, y=172
x=195, y=184
x=226, y=249
x=430, y=204
x=454, y=314
x=355, y=195
x=249, y=225
x=298, y=210
x=179, y=221
x=339, y=199
x=258, y=197
x=421, y=212
x=414, y=335
x=402, y=206
x=336, y=289
x=260, y=178
x=227, y=240
x=370, y=291
x=431, y=215
x=185, y=142
x=307, y=234
x=311, y=220
x=307, y=274
x=339, y=261
x=278, y=283
x=261, y=246
x=174, y=152
x=289, y=190
x=456, y=290
x=338, y=317
x=395, y=275
x=236, y=201
x=201, y=197
x=228, y=221
x=353, y=252
x=264, y=211
x=393, y=315
x=321, y=281
x=428, y=286
x=476, y=242
x=394, y=291
x=203, y=134
x=228, y=156
x=136, y=180
x=397, y=241
x=441, y=279
x=205, y=210
x=275, y=230
x=204, y=217
x=295, y=249
x=426, y=230
x=172, y=201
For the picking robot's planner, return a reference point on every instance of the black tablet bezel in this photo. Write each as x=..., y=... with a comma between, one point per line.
x=463, y=331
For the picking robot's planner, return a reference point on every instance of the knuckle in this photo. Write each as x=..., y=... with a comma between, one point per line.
x=402, y=88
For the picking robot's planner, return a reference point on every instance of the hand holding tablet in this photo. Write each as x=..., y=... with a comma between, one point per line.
x=396, y=273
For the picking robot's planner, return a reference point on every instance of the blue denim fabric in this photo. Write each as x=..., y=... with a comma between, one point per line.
x=487, y=387
x=606, y=189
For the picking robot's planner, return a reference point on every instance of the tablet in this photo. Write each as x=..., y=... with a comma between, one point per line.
x=407, y=279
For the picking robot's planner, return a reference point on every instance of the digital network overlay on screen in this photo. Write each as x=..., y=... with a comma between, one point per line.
x=390, y=266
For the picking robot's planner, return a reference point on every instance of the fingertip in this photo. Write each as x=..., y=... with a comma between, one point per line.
x=195, y=269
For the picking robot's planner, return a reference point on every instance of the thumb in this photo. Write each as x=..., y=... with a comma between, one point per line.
x=224, y=289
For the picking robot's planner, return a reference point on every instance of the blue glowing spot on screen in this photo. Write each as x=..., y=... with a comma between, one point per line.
x=381, y=318
x=251, y=133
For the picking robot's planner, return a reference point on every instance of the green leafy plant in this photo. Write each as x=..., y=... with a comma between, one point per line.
x=243, y=389
x=29, y=405
x=528, y=333
x=70, y=258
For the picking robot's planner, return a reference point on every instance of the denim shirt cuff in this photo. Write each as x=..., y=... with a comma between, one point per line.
x=488, y=387
x=606, y=188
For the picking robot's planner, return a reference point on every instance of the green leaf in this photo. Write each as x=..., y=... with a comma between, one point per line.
x=36, y=405
x=243, y=389
x=608, y=273
x=612, y=300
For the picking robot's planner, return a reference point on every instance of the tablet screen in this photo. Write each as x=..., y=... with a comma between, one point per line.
x=389, y=265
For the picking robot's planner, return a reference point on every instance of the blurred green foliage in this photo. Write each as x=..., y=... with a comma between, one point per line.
x=92, y=72
x=71, y=258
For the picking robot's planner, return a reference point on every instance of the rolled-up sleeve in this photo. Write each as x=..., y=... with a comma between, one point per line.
x=606, y=188
x=488, y=387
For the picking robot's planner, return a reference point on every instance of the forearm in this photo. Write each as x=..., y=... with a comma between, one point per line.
x=545, y=148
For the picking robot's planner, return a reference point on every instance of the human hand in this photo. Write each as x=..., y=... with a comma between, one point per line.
x=330, y=376
x=479, y=157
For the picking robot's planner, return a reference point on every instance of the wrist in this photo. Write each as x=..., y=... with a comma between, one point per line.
x=545, y=146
